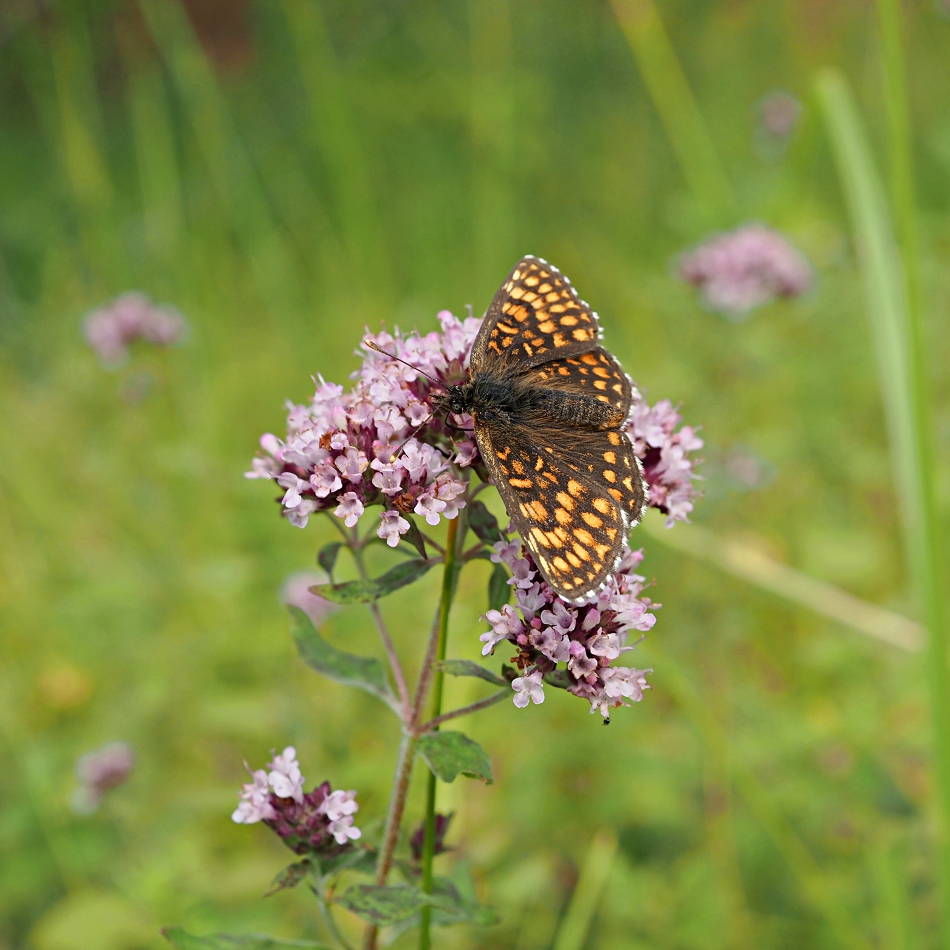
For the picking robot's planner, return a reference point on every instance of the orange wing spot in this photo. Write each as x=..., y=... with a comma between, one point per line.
x=565, y=500
x=528, y=349
x=506, y=342
x=589, y=358
x=610, y=457
x=562, y=517
x=602, y=505
x=515, y=276
x=529, y=296
x=547, y=326
x=601, y=550
x=613, y=494
x=550, y=476
x=581, y=552
x=561, y=564
x=539, y=464
x=559, y=341
x=532, y=281
x=613, y=438
x=575, y=488
x=539, y=511
x=584, y=536
x=610, y=475
x=539, y=537
x=592, y=519
x=507, y=329
x=567, y=585
x=557, y=307
x=568, y=320
x=599, y=383
x=520, y=313
x=575, y=561
x=628, y=483
x=601, y=372
x=518, y=467
x=562, y=370
x=617, y=388
x=520, y=482
x=581, y=334
x=545, y=288
x=551, y=297
x=505, y=454
x=554, y=541
x=611, y=533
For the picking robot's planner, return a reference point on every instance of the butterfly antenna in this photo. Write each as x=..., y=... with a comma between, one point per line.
x=405, y=441
x=379, y=349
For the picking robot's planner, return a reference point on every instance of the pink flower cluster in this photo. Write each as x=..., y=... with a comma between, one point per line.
x=338, y=449
x=99, y=771
x=665, y=453
x=588, y=638
x=320, y=821
x=113, y=328
x=337, y=453
x=745, y=268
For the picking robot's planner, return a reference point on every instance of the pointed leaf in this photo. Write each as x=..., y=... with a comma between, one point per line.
x=186, y=941
x=483, y=523
x=414, y=537
x=361, y=860
x=468, y=668
x=366, y=672
x=499, y=590
x=328, y=555
x=383, y=905
x=450, y=753
x=291, y=876
x=364, y=592
x=559, y=679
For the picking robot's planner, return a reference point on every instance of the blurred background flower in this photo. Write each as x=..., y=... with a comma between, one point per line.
x=99, y=771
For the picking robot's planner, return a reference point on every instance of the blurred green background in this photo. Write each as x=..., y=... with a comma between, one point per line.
x=288, y=172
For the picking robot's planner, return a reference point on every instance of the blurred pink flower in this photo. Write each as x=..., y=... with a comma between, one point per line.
x=112, y=329
x=745, y=268
x=295, y=592
x=778, y=113
x=99, y=771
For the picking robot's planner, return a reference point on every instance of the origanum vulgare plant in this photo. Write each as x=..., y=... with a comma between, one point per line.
x=384, y=465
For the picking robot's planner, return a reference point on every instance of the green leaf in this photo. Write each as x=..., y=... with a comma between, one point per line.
x=290, y=877
x=365, y=592
x=449, y=907
x=365, y=672
x=449, y=753
x=383, y=905
x=483, y=523
x=499, y=590
x=327, y=556
x=468, y=668
x=414, y=537
x=186, y=941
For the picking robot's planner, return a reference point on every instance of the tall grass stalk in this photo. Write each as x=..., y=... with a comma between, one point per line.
x=574, y=929
x=898, y=335
x=815, y=885
x=674, y=101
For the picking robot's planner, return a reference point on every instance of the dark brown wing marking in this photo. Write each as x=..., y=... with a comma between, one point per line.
x=535, y=316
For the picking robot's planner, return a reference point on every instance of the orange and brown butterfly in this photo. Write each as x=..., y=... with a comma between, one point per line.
x=549, y=405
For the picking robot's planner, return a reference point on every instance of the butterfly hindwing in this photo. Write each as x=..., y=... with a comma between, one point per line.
x=595, y=373
x=572, y=495
x=535, y=316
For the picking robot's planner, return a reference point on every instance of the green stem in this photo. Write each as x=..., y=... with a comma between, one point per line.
x=928, y=563
x=455, y=539
x=328, y=918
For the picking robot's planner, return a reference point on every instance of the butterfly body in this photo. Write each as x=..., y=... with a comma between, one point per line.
x=549, y=404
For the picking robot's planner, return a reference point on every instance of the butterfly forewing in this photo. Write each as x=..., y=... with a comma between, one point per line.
x=536, y=316
x=572, y=518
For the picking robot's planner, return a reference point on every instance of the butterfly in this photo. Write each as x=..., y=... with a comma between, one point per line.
x=549, y=405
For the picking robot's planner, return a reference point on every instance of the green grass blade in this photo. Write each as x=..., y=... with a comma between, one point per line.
x=574, y=929
x=814, y=883
x=674, y=101
x=233, y=176
x=899, y=343
x=334, y=137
